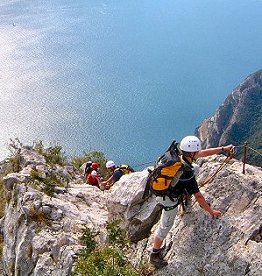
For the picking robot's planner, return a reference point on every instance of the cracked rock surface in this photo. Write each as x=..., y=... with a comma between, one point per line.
x=41, y=233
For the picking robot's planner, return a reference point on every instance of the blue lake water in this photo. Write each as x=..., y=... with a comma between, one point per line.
x=122, y=77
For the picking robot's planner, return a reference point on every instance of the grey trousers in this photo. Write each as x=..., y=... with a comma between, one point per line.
x=167, y=217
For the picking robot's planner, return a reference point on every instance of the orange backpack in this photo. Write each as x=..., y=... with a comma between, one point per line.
x=166, y=173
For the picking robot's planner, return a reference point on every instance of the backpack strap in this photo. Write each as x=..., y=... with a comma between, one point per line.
x=124, y=168
x=173, y=147
x=147, y=187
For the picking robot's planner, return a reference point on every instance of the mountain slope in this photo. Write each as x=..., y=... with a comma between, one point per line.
x=238, y=119
x=42, y=233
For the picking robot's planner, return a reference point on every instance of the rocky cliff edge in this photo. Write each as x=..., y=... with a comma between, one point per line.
x=41, y=233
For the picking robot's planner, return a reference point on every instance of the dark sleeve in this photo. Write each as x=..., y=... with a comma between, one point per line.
x=191, y=186
x=116, y=176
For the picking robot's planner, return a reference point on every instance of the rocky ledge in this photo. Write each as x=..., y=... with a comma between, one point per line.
x=41, y=232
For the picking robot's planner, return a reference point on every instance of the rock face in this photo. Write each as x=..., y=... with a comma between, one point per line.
x=206, y=246
x=238, y=119
x=41, y=233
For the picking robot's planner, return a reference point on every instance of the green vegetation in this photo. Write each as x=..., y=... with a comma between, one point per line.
x=1, y=246
x=53, y=154
x=249, y=128
x=13, y=160
x=49, y=186
x=49, y=182
x=12, y=164
x=39, y=217
x=109, y=259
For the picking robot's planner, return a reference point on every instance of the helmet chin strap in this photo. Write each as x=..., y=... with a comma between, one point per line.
x=190, y=157
x=193, y=156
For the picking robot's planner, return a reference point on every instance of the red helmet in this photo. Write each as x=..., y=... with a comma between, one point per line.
x=94, y=166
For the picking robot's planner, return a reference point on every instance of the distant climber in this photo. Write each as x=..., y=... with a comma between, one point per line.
x=117, y=172
x=92, y=173
x=191, y=150
x=89, y=166
x=93, y=178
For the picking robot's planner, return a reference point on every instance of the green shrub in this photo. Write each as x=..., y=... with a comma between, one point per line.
x=1, y=246
x=53, y=154
x=13, y=160
x=14, y=163
x=49, y=182
x=49, y=186
x=88, y=239
x=109, y=259
x=117, y=235
x=39, y=217
x=35, y=175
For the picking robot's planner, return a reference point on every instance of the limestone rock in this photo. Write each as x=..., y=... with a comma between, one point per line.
x=238, y=119
x=41, y=233
x=125, y=200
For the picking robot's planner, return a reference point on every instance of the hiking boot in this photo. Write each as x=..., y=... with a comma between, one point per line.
x=165, y=249
x=157, y=261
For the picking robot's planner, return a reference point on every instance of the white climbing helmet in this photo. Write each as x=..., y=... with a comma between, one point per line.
x=94, y=173
x=190, y=144
x=110, y=164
